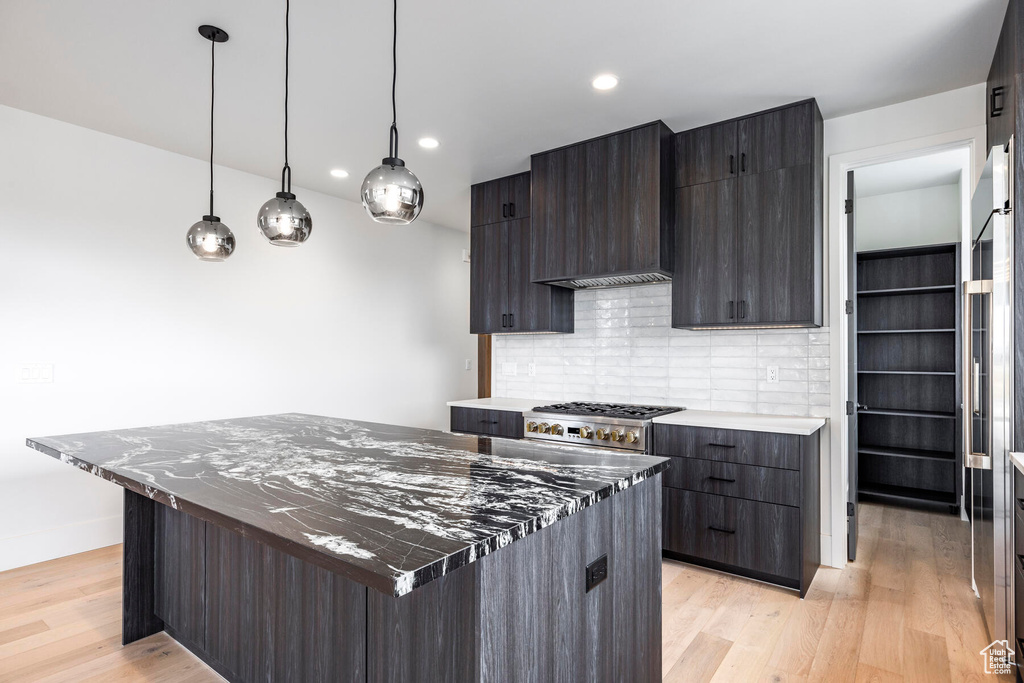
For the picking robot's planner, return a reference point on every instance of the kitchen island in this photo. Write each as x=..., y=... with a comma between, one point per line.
x=302, y=548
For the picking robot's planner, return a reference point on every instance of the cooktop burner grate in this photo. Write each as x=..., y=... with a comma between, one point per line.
x=621, y=411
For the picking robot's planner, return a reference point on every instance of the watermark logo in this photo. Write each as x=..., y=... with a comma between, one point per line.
x=998, y=657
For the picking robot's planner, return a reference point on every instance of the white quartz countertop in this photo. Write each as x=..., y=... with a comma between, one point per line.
x=1017, y=461
x=514, y=405
x=749, y=422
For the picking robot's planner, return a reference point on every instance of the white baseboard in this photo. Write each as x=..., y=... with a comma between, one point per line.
x=48, y=544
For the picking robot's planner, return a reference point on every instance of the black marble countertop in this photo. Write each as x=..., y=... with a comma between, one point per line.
x=390, y=507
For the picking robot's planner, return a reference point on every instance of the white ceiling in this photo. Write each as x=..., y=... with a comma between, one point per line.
x=493, y=81
x=916, y=173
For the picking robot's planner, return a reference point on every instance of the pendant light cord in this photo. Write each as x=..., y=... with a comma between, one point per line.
x=213, y=71
x=287, y=44
x=393, y=138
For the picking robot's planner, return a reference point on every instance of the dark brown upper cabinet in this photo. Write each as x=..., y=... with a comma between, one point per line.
x=602, y=209
x=500, y=200
x=775, y=139
x=748, y=222
x=502, y=298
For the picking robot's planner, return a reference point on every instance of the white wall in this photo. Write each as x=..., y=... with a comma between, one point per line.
x=929, y=215
x=363, y=321
x=904, y=129
x=624, y=349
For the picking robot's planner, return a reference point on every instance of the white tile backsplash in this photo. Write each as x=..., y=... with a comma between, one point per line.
x=624, y=349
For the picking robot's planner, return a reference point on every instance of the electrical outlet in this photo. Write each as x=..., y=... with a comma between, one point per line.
x=772, y=375
x=508, y=369
x=531, y=369
x=34, y=373
x=469, y=364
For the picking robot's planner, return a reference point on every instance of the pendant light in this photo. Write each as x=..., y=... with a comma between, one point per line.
x=209, y=239
x=283, y=220
x=391, y=193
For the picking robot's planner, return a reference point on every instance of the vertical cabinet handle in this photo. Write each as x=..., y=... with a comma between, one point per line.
x=504, y=319
x=996, y=103
x=743, y=163
x=732, y=163
x=732, y=310
x=504, y=210
x=512, y=209
x=743, y=310
x=511, y=319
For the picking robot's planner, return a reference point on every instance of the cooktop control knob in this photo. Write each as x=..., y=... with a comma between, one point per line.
x=545, y=428
x=531, y=426
x=556, y=430
x=586, y=432
x=617, y=435
x=602, y=434
x=632, y=436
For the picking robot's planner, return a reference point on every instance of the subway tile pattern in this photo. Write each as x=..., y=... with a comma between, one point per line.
x=625, y=350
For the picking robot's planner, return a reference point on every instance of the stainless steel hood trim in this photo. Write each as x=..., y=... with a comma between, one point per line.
x=612, y=281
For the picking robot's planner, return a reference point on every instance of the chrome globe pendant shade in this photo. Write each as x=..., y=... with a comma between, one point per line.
x=391, y=193
x=209, y=239
x=283, y=220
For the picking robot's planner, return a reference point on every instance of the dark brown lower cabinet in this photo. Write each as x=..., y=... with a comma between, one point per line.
x=521, y=613
x=487, y=422
x=743, y=502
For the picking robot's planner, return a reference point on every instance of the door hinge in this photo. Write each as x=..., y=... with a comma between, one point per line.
x=849, y=407
x=849, y=307
x=851, y=509
x=849, y=206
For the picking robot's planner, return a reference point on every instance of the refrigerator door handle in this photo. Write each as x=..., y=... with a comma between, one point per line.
x=972, y=400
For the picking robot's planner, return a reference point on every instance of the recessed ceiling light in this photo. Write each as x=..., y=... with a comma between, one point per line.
x=429, y=143
x=605, y=82
x=339, y=173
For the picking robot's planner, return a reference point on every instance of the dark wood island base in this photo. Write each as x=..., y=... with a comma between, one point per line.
x=521, y=613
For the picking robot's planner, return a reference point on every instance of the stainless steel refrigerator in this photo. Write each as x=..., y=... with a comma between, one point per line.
x=987, y=347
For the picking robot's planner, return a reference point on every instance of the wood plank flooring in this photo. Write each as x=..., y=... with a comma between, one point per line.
x=903, y=612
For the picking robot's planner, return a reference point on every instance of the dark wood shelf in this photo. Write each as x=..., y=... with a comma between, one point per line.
x=903, y=291
x=905, y=493
x=909, y=375
x=908, y=413
x=906, y=372
x=932, y=331
x=916, y=453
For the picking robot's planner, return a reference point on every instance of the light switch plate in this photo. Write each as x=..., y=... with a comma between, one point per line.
x=469, y=364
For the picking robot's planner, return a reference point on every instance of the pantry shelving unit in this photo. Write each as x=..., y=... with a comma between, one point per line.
x=908, y=376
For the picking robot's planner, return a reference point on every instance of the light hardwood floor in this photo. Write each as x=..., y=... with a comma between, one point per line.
x=903, y=612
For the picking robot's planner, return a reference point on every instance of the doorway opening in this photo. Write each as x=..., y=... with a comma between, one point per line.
x=906, y=218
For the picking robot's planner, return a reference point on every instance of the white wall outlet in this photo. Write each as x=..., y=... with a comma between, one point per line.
x=532, y=369
x=34, y=373
x=772, y=375
x=469, y=364
x=465, y=255
x=508, y=369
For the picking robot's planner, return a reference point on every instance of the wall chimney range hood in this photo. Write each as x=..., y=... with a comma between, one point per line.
x=602, y=210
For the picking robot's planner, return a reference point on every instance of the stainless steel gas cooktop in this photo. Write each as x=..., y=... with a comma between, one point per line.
x=605, y=425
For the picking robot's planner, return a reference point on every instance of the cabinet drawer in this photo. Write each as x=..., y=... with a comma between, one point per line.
x=726, y=445
x=767, y=484
x=759, y=537
x=487, y=422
